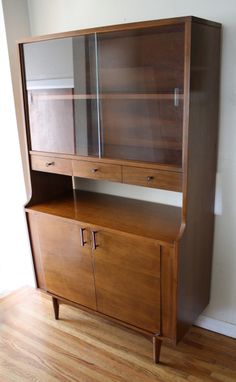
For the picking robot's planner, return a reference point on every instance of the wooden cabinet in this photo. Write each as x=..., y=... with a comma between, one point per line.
x=135, y=104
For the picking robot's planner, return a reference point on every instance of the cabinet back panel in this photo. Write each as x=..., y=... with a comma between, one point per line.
x=143, y=60
x=51, y=116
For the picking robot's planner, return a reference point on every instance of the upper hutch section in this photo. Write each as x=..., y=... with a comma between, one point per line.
x=113, y=102
x=112, y=95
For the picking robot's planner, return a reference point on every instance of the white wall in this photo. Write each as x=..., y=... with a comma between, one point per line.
x=15, y=259
x=62, y=15
x=49, y=64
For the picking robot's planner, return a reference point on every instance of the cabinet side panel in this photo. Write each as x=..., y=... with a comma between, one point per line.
x=47, y=186
x=35, y=248
x=196, y=245
x=168, y=292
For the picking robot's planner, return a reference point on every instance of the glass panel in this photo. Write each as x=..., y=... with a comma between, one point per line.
x=61, y=86
x=141, y=94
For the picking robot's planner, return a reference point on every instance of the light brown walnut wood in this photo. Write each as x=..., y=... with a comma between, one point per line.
x=93, y=170
x=155, y=166
x=126, y=26
x=81, y=347
x=48, y=186
x=36, y=252
x=55, y=304
x=169, y=286
x=200, y=147
x=67, y=265
x=153, y=178
x=51, y=121
x=127, y=277
x=142, y=265
x=51, y=164
x=146, y=219
x=156, y=343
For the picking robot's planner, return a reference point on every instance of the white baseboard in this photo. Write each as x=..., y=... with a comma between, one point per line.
x=218, y=326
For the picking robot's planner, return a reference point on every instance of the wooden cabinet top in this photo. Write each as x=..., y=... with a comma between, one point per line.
x=126, y=26
x=156, y=221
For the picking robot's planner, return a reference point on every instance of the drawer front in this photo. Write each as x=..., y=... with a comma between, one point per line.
x=51, y=164
x=95, y=170
x=166, y=180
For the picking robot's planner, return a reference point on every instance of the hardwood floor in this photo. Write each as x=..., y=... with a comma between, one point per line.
x=79, y=347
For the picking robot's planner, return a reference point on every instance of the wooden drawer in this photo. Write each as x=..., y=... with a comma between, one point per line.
x=51, y=164
x=96, y=170
x=166, y=180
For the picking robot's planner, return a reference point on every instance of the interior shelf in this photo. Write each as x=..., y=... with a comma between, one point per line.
x=147, y=219
x=150, y=144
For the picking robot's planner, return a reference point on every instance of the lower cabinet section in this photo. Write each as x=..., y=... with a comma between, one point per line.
x=113, y=273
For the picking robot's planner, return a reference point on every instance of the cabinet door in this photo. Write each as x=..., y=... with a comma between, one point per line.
x=141, y=77
x=62, y=95
x=127, y=278
x=67, y=264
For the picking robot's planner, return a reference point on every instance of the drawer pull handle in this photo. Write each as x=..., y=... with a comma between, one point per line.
x=82, y=242
x=94, y=244
x=50, y=164
x=149, y=178
x=94, y=170
x=176, y=97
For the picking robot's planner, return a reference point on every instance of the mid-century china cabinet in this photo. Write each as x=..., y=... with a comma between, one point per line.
x=136, y=104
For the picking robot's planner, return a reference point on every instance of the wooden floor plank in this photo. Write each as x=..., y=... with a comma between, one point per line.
x=81, y=347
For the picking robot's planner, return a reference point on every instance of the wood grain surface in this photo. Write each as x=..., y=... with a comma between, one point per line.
x=67, y=265
x=152, y=178
x=51, y=121
x=127, y=279
x=199, y=174
x=146, y=219
x=82, y=348
x=110, y=28
x=91, y=170
x=52, y=165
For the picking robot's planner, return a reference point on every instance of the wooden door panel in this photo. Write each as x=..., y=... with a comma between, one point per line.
x=67, y=265
x=141, y=81
x=127, y=278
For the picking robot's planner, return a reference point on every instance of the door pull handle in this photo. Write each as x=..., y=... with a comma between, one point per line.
x=82, y=242
x=94, y=244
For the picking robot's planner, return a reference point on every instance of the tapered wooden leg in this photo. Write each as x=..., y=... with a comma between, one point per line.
x=156, y=349
x=55, y=304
